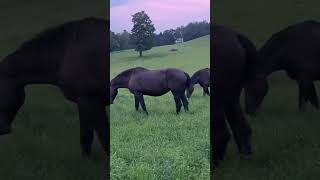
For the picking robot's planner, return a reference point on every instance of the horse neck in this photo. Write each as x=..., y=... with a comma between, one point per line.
x=194, y=80
x=268, y=66
x=120, y=82
x=270, y=57
x=24, y=67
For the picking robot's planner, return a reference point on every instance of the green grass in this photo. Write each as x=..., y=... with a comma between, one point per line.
x=285, y=142
x=44, y=144
x=162, y=145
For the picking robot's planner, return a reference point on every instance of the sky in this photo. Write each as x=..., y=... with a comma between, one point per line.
x=165, y=14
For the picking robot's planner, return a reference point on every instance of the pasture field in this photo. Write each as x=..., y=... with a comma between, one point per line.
x=44, y=144
x=286, y=142
x=162, y=145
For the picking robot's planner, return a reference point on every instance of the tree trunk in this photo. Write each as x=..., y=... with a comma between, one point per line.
x=140, y=53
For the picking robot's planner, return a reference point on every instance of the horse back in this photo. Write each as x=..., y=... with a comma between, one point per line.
x=295, y=47
x=148, y=80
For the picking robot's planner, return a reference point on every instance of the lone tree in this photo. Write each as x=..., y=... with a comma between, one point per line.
x=142, y=32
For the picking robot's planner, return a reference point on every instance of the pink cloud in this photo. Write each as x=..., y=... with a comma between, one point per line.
x=165, y=14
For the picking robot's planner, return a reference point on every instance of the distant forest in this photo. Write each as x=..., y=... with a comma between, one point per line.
x=122, y=41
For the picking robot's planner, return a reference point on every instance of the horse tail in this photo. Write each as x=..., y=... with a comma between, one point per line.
x=188, y=83
x=252, y=56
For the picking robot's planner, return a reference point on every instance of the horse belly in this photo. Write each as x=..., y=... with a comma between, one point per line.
x=155, y=92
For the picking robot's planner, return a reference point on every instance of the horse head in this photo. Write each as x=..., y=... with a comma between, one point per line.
x=189, y=91
x=255, y=91
x=11, y=99
x=113, y=93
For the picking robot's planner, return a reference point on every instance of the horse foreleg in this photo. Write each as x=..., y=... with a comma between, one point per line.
x=93, y=117
x=178, y=103
x=101, y=124
x=240, y=127
x=302, y=98
x=219, y=134
x=143, y=105
x=184, y=101
x=204, y=91
x=307, y=92
x=136, y=101
x=313, y=96
x=207, y=90
x=86, y=128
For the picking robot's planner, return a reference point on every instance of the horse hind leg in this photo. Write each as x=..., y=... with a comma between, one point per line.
x=184, y=102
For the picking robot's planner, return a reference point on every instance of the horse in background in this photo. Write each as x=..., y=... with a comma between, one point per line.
x=295, y=50
x=201, y=77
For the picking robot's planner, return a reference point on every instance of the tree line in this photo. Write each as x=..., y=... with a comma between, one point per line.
x=125, y=40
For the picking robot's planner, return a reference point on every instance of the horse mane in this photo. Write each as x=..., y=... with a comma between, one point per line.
x=277, y=38
x=194, y=77
x=126, y=73
x=129, y=71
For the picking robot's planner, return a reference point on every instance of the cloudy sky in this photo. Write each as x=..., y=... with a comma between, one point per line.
x=165, y=14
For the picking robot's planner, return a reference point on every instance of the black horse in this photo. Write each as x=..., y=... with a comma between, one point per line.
x=296, y=51
x=141, y=81
x=72, y=56
x=233, y=57
x=201, y=77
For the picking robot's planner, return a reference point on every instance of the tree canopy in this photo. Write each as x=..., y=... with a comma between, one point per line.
x=126, y=40
x=142, y=33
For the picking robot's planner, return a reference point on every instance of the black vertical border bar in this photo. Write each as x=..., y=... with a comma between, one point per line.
x=108, y=159
x=211, y=88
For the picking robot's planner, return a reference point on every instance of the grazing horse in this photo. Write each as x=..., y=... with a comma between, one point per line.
x=71, y=56
x=295, y=50
x=141, y=81
x=233, y=56
x=201, y=77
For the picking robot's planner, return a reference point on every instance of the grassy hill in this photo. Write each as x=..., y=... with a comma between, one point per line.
x=162, y=145
x=45, y=140
x=285, y=141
